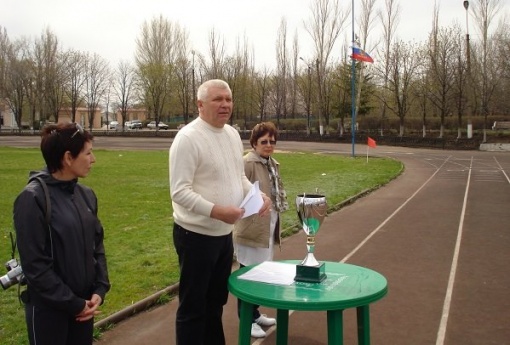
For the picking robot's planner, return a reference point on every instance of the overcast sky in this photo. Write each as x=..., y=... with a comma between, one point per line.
x=110, y=27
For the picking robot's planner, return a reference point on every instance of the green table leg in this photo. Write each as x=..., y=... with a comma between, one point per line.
x=363, y=315
x=282, y=326
x=245, y=323
x=335, y=327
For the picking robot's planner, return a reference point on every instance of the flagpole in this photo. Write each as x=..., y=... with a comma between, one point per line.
x=353, y=90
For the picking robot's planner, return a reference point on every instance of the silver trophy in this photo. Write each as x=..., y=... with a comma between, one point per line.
x=311, y=210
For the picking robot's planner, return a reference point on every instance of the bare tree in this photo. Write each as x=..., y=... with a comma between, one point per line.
x=75, y=66
x=33, y=92
x=293, y=84
x=216, y=55
x=97, y=80
x=262, y=92
x=365, y=25
x=107, y=99
x=155, y=59
x=390, y=19
x=341, y=85
x=201, y=69
x=250, y=97
x=305, y=85
x=324, y=26
x=50, y=76
x=280, y=79
x=5, y=47
x=404, y=63
x=502, y=38
x=17, y=78
x=237, y=73
x=443, y=69
x=484, y=12
x=421, y=90
x=235, y=69
x=184, y=72
x=124, y=88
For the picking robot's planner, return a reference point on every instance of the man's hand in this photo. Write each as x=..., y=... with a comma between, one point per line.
x=90, y=308
x=227, y=214
x=266, y=207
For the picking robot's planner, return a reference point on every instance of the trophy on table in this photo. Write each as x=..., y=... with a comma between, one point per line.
x=311, y=210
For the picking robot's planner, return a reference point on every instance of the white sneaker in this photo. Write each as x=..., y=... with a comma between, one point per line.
x=263, y=320
x=256, y=331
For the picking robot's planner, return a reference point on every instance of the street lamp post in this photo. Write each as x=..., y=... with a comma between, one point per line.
x=468, y=61
x=468, y=53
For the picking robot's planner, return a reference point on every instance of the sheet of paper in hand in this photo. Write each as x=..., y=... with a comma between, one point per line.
x=253, y=201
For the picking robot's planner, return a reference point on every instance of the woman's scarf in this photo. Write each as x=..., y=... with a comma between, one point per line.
x=277, y=191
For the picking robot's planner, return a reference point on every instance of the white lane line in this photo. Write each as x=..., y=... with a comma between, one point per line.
x=502, y=170
x=348, y=256
x=441, y=333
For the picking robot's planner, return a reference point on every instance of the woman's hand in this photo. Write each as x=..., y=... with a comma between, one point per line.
x=90, y=308
x=266, y=207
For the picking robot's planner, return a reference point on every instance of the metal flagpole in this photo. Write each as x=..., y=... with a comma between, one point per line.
x=353, y=89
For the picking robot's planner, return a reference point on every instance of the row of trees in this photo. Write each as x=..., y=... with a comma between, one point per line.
x=446, y=75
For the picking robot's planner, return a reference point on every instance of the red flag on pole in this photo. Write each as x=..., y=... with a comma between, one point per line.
x=371, y=143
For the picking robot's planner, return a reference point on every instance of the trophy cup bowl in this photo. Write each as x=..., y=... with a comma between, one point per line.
x=311, y=210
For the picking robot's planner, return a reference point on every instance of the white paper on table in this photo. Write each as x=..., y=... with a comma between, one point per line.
x=271, y=272
x=253, y=202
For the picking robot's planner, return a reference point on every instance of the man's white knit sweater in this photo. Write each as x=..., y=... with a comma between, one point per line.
x=206, y=168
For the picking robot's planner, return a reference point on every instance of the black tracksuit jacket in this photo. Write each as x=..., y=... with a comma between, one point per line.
x=66, y=264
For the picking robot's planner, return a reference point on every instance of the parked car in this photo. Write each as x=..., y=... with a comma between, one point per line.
x=134, y=124
x=161, y=125
x=113, y=125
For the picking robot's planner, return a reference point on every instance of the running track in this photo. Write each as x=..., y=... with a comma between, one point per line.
x=440, y=233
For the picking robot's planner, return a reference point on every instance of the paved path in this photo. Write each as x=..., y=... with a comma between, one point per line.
x=439, y=233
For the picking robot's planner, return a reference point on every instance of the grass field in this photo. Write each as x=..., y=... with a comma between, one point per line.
x=135, y=210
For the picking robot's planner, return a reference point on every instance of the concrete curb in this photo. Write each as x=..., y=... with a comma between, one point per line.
x=495, y=147
x=139, y=306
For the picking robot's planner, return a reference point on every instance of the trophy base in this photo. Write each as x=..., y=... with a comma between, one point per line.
x=310, y=274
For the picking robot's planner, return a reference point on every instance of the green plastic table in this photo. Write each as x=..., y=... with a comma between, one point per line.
x=346, y=286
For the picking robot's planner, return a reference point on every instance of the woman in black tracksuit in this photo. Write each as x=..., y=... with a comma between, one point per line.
x=64, y=262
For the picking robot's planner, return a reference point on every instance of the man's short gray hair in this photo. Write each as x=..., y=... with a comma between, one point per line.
x=203, y=90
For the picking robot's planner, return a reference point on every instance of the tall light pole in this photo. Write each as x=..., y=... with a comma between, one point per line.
x=353, y=89
x=309, y=103
x=466, y=6
x=468, y=61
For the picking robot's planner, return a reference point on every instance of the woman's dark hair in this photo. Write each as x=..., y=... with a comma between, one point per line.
x=262, y=129
x=57, y=139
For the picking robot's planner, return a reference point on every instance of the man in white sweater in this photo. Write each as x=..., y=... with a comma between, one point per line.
x=207, y=185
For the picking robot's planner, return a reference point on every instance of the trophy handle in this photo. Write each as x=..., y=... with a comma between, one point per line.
x=302, y=206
